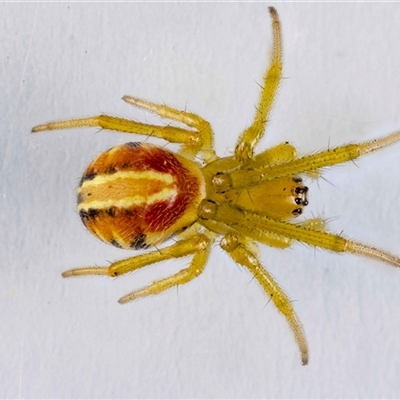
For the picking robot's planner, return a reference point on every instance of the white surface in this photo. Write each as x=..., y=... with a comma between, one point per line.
x=214, y=337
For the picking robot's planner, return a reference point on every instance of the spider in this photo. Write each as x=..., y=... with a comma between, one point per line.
x=138, y=195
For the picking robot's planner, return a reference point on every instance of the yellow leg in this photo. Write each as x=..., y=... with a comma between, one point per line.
x=192, y=141
x=199, y=245
x=260, y=228
x=318, y=224
x=262, y=173
x=170, y=133
x=278, y=154
x=243, y=256
x=195, y=268
x=251, y=136
x=205, y=140
x=270, y=239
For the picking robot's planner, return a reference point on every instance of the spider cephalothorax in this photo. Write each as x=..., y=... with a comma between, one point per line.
x=137, y=195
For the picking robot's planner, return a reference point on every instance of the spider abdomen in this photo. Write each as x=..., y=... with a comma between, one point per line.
x=137, y=194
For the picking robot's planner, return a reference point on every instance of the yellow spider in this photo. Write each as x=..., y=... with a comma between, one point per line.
x=138, y=195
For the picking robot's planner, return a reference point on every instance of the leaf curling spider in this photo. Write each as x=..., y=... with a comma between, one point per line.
x=138, y=195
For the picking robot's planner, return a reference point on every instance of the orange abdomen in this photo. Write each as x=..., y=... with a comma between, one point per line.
x=137, y=194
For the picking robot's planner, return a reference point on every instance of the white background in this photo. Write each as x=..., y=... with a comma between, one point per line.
x=215, y=337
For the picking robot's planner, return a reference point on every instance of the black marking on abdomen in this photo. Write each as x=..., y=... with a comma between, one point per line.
x=139, y=242
x=111, y=212
x=88, y=177
x=89, y=214
x=115, y=243
x=111, y=170
x=79, y=198
x=133, y=145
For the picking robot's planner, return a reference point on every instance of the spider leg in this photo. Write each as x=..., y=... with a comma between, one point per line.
x=269, y=238
x=205, y=141
x=278, y=154
x=195, y=268
x=250, y=137
x=243, y=256
x=193, y=141
x=259, y=228
x=198, y=245
x=169, y=133
x=246, y=177
x=318, y=224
